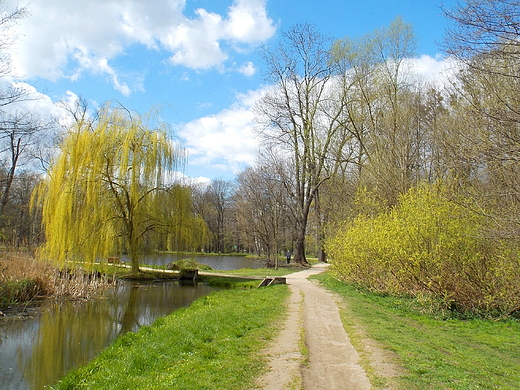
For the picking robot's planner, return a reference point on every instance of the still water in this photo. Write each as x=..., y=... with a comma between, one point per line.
x=222, y=263
x=65, y=335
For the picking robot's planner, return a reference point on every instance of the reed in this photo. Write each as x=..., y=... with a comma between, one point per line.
x=24, y=279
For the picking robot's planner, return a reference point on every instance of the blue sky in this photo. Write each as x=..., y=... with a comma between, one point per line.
x=196, y=58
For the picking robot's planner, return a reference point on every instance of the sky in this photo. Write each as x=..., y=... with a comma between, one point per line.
x=195, y=59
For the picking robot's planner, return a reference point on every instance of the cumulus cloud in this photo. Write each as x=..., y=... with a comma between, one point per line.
x=438, y=71
x=87, y=35
x=248, y=22
x=224, y=141
x=248, y=69
x=34, y=102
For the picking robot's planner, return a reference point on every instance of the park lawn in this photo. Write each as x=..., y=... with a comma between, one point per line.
x=435, y=353
x=212, y=344
x=261, y=272
x=214, y=278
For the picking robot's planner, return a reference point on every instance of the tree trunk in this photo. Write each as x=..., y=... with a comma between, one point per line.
x=133, y=252
x=7, y=189
x=299, y=248
x=322, y=256
x=320, y=235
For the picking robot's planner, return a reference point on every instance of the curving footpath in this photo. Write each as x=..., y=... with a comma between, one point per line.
x=313, y=320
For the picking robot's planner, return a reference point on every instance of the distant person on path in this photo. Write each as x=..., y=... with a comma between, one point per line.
x=288, y=255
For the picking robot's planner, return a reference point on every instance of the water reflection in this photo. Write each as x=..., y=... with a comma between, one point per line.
x=65, y=335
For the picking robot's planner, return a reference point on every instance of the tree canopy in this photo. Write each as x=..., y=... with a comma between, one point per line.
x=106, y=190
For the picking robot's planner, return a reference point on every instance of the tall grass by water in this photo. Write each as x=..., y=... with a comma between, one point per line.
x=24, y=279
x=213, y=344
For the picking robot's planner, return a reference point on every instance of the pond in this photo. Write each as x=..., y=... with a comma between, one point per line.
x=222, y=263
x=63, y=335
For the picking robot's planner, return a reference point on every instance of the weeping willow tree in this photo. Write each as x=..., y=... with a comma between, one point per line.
x=106, y=191
x=185, y=231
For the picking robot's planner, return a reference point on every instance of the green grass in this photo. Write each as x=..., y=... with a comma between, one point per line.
x=435, y=353
x=226, y=282
x=261, y=272
x=213, y=344
x=221, y=281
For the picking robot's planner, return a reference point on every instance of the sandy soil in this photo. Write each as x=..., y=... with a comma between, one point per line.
x=314, y=323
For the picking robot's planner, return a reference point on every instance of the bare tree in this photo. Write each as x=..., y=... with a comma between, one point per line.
x=20, y=129
x=213, y=203
x=300, y=117
x=19, y=226
x=19, y=134
x=264, y=210
x=485, y=38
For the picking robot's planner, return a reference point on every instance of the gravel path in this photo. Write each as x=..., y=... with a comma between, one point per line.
x=313, y=320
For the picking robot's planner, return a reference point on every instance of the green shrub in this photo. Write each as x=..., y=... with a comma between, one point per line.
x=429, y=244
x=188, y=264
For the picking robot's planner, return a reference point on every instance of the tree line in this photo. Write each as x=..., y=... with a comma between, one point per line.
x=351, y=139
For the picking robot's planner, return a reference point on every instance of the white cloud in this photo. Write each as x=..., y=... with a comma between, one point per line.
x=438, y=71
x=224, y=141
x=34, y=102
x=248, y=22
x=180, y=177
x=89, y=34
x=248, y=69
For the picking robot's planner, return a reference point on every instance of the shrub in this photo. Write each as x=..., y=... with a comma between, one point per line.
x=188, y=264
x=429, y=244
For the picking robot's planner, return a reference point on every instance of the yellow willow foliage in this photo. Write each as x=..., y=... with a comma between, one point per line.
x=106, y=189
x=186, y=231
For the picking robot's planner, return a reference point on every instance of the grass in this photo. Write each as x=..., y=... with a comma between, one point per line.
x=226, y=282
x=435, y=353
x=262, y=272
x=213, y=344
x=222, y=281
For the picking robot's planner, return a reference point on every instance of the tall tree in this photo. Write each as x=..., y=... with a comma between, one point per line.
x=103, y=187
x=19, y=134
x=380, y=104
x=219, y=197
x=263, y=210
x=299, y=117
x=485, y=39
x=213, y=202
x=19, y=128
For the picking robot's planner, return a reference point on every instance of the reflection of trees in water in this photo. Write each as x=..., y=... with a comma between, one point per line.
x=165, y=297
x=70, y=334
x=130, y=316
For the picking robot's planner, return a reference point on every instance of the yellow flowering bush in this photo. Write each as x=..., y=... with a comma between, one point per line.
x=429, y=244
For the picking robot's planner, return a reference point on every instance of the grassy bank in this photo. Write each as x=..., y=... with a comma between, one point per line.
x=263, y=272
x=436, y=353
x=213, y=344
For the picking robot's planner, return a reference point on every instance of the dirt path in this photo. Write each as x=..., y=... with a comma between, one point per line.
x=314, y=323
